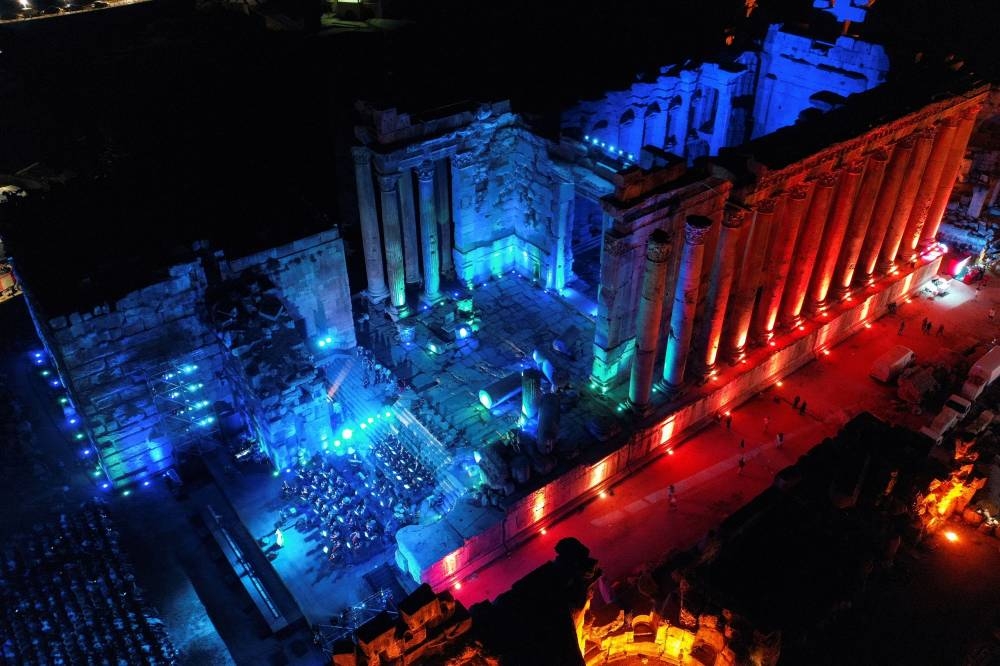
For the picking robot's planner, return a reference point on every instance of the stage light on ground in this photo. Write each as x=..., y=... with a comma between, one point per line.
x=346, y=433
x=336, y=443
x=45, y=373
x=86, y=452
x=275, y=473
x=350, y=450
x=951, y=536
x=78, y=435
x=97, y=472
x=826, y=352
x=63, y=400
x=868, y=324
x=371, y=420
x=388, y=413
x=288, y=470
x=126, y=493
x=105, y=485
x=543, y=531
x=602, y=495
x=458, y=585
x=670, y=452
x=364, y=426
x=779, y=383
x=145, y=484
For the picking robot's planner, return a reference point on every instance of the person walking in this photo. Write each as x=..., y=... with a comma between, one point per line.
x=802, y=407
x=741, y=464
x=779, y=441
x=902, y=325
x=795, y=403
x=729, y=421
x=992, y=314
x=767, y=423
x=743, y=444
x=940, y=331
x=672, y=497
x=923, y=326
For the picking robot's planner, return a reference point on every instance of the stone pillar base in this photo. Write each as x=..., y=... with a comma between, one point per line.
x=378, y=296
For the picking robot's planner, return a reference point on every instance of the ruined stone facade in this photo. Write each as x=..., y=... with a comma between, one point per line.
x=155, y=372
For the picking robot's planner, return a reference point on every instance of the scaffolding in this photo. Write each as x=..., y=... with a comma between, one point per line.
x=178, y=388
x=344, y=626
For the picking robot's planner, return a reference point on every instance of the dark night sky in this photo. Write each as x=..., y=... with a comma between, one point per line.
x=184, y=126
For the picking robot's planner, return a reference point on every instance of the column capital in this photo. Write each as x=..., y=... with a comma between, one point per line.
x=855, y=168
x=907, y=142
x=828, y=179
x=462, y=160
x=929, y=132
x=695, y=230
x=734, y=219
x=615, y=246
x=767, y=206
x=879, y=155
x=362, y=156
x=425, y=171
x=948, y=121
x=658, y=246
x=799, y=192
x=388, y=181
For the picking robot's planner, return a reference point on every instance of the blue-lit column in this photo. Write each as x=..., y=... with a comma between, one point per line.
x=904, y=202
x=860, y=219
x=884, y=204
x=685, y=302
x=648, y=320
x=444, y=213
x=833, y=237
x=561, y=253
x=748, y=279
x=689, y=81
x=411, y=257
x=370, y=238
x=928, y=188
x=806, y=249
x=429, y=233
x=389, y=183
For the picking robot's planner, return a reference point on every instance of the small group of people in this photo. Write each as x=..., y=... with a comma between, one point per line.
x=928, y=326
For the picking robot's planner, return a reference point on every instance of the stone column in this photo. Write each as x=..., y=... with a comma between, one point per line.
x=885, y=202
x=685, y=301
x=720, y=284
x=531, y=392
x=562, y=253
x=904, y=202
x=389, y=184
x=429, y=233
x=371, y=240
x=806, y=250
x=928, y=188
x=860, y=220
x=785, y=238
x=444, y=213
x=833, y=237
x=745, y=289
x=648, y=320
x=411, y=257
x=949, y=175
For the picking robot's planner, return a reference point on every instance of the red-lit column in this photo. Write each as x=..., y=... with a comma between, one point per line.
x=860, y=220
x=371, y=239
x=745, y=293
x=884, y=205
x=721, y=283
x=949, y=174
x=928, y=188
x=685, y=301
x=833, y=237
x=649, y=318
x=806, y=250
x=904, y=202
x=786, y=236
x=388, y=183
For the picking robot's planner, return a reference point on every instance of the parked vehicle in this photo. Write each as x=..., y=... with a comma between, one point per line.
x=889, y=365
x=982, y=374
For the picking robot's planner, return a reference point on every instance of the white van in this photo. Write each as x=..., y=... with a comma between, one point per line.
x=982, y=374
x=887, y=367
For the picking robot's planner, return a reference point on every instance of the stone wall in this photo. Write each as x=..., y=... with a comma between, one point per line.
x=114, y=360
x=311, y=277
